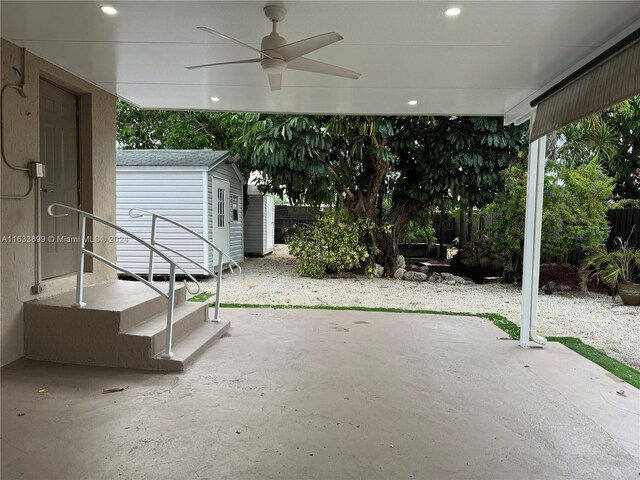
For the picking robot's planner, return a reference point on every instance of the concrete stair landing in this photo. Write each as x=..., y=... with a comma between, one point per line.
x=123, y=325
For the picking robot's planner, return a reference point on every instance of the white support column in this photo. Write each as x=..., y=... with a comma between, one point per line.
x=532, y=244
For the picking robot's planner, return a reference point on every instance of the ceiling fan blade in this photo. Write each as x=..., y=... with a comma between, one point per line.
x=297, y=49
x=252, y=60
x=227, y=37
x=308, y=65
x=275, y=81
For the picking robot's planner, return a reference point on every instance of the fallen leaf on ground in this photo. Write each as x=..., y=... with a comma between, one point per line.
x=539, y=330
x=621, y=393
x=43, y=390
x=114, y=389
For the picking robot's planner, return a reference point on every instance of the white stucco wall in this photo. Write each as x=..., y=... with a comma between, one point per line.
x=22, y=145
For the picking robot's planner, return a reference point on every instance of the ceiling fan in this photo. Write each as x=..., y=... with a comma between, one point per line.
x=276, y=55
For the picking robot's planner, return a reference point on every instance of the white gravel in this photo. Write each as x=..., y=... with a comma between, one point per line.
x=594, y=318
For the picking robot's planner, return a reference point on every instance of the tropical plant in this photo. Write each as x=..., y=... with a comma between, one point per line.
x=621, y=265
x=332, y=244
x=610, y=135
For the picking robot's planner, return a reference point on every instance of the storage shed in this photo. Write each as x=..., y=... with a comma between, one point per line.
x=259, y=227
x=201, y=189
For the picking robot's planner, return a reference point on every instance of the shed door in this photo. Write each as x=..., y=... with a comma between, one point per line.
x=59, y=153
x=220, y=208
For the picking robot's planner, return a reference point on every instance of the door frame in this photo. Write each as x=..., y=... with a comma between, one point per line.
x=85, y=163
x=214, y=211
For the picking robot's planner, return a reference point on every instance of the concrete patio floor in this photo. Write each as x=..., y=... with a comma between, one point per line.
x=329, y=395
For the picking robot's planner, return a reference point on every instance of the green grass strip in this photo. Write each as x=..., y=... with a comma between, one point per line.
x=617, y=368
x=202, y=297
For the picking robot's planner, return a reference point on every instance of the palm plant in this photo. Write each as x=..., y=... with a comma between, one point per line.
x=612, y=267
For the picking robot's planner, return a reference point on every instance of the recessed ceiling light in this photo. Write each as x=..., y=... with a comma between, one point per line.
x=215, y=99
x=108, y=9
x=453, y=12
x=412, y=102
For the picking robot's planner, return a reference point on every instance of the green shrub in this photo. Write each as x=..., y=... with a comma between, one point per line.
x=574, y=214
x=331, y=245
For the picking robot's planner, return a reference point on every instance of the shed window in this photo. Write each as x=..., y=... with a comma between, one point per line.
x=235, y=214
x=221, y=207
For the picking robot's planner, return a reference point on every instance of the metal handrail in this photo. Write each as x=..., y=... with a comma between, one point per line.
x=82, y=251
x=139, y=212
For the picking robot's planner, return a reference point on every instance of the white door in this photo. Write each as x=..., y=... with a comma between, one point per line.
x=220, y=208
x=59, y=153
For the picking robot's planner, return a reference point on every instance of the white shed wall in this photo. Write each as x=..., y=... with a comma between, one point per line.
x=176, y=194
x=260, y=224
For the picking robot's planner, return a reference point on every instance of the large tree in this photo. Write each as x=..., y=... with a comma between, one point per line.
x=383, y=169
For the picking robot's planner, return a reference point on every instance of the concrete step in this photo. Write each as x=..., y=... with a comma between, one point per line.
x=187, y=317
x=187, y=350
x=123, y=325
x=125, y=303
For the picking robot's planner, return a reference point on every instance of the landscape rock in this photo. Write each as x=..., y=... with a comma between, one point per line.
x=400, y=262
x=399, y=273
x=415, y=276
x=451, y=282
x=446, y=276
x=485, y=262
x=435, y=278
x=461, y=280
x=480, y=253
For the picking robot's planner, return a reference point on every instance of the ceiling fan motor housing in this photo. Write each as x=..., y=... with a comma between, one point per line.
x=275, y=64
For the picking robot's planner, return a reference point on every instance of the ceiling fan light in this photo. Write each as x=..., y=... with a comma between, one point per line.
x=273, y=66
x=215, y=99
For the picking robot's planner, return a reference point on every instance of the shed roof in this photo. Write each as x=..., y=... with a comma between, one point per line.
x=171, y=158
x=199, y=160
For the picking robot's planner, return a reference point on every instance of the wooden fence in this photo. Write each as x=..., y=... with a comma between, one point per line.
x=622, y=223
x=288, y=216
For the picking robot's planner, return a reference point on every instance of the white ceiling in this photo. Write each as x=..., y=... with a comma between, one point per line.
x=488, y=60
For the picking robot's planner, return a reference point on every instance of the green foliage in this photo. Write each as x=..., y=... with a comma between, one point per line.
x=163, y=129
x=454, y=161
x=384, y=169
x=611, y=136
x=626, y=203
x=331, y=245
x=420, y=230
x=574, y=214
x=618, y=266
